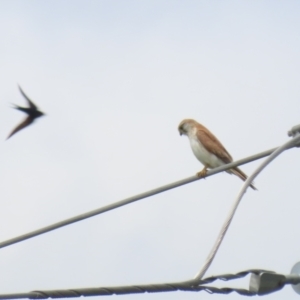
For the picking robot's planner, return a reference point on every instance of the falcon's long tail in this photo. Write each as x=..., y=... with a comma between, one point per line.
x=239, y=173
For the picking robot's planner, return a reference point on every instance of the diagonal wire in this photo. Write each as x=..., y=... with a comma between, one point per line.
x=291, y=143
x=130, y=200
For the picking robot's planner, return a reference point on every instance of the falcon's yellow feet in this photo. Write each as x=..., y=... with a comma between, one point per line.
x=202, y=173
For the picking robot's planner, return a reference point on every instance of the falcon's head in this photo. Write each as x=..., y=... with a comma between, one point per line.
x=185, y=126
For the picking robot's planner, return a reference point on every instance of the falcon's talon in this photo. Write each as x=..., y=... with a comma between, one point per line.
x=202, y=173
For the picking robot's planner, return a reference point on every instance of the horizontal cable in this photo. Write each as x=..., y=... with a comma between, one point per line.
x=131, y=199
x=145, y=288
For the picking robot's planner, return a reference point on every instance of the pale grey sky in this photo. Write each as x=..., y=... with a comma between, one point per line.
x=115, y=78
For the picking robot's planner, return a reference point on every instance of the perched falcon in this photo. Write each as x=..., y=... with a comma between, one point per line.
x=208, y=149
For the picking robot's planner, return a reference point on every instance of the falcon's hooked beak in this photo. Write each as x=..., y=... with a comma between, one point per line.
x=181, y=128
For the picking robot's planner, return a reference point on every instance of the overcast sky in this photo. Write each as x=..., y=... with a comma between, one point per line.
x=115, y=79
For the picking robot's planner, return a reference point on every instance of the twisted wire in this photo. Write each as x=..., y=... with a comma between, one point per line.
x=145, y=288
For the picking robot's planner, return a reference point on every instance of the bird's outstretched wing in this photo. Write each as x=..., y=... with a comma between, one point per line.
x=31, y=104
x=22, y=125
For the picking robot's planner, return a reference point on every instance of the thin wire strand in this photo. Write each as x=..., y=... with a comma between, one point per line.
x=277, y=152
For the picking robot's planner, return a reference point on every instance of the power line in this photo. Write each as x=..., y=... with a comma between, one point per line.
x=129, y=200
x=262, y=282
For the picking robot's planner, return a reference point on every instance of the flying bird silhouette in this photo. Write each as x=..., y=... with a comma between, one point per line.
x=32, y=112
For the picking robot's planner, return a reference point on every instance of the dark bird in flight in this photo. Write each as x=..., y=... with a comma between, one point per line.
x=32, y=112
